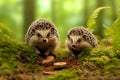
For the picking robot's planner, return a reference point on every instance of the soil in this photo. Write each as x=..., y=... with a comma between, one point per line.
x=50, y=67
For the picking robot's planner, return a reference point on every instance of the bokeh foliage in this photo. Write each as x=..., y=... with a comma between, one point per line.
x=64, y=13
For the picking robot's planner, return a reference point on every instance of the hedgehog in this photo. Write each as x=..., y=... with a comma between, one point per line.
x=80, y=39
x=42, y=36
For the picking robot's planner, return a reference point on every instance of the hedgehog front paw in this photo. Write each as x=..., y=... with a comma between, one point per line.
x=47, y=53
x=72, y=55
x=37, y=52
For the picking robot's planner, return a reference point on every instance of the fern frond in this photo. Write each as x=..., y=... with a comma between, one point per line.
x=108, y=32
x=116, y=32
x=91, y=24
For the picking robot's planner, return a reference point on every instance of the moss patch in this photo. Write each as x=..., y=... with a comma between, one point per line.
x=65, y=75
x=12, y=53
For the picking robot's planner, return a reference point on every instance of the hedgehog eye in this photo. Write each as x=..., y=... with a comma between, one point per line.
x=83, y=36
x=71, y=40
x=79, y=40
x=48, y=35
x=39, y=35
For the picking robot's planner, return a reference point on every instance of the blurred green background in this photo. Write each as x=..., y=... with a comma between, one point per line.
x=18, y=14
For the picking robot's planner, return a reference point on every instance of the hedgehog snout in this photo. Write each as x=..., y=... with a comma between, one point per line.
x=73, y=45
x=45, y=40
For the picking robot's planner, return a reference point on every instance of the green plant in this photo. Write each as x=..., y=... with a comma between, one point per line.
x=91, y=24
x=116, y=36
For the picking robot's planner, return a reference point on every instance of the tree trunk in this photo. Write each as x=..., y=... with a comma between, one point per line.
x=29, y=13
x=53, y=11
x=85, y=13
x=113, y=6
x=99, y=31
x=62, y=15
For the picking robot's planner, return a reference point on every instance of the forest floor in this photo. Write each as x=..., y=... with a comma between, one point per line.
x=74, y=70
x=19, y=62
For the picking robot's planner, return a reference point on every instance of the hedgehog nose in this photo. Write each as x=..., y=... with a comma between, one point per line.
x=44, y=40
x=73, y=46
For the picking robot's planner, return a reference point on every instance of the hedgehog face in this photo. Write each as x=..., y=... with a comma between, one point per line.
x=44, y=35
x=75, y=40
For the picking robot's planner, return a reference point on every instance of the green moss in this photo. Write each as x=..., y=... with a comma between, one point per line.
x=106, y=51
x=101, y=60
x=61, y=52
x=113, y=65
x=84, y=55
x=115, y=61
x=65, y=75
x=13, y=52
x=101, y=57
x=117, y=54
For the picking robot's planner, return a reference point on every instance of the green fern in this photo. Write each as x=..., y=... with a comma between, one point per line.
x=116, y=36
x=91, y=24
x=108, y=32
x=5, y=29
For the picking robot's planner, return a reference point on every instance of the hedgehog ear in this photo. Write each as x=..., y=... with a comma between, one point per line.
x=33, y=31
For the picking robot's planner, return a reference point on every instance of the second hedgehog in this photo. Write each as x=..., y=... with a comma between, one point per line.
x=80, y=39
x=42, y=36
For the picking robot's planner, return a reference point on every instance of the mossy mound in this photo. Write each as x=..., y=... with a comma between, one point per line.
x=61, y=52
x=105, y=60
x=65, y=75
x=13, y=53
